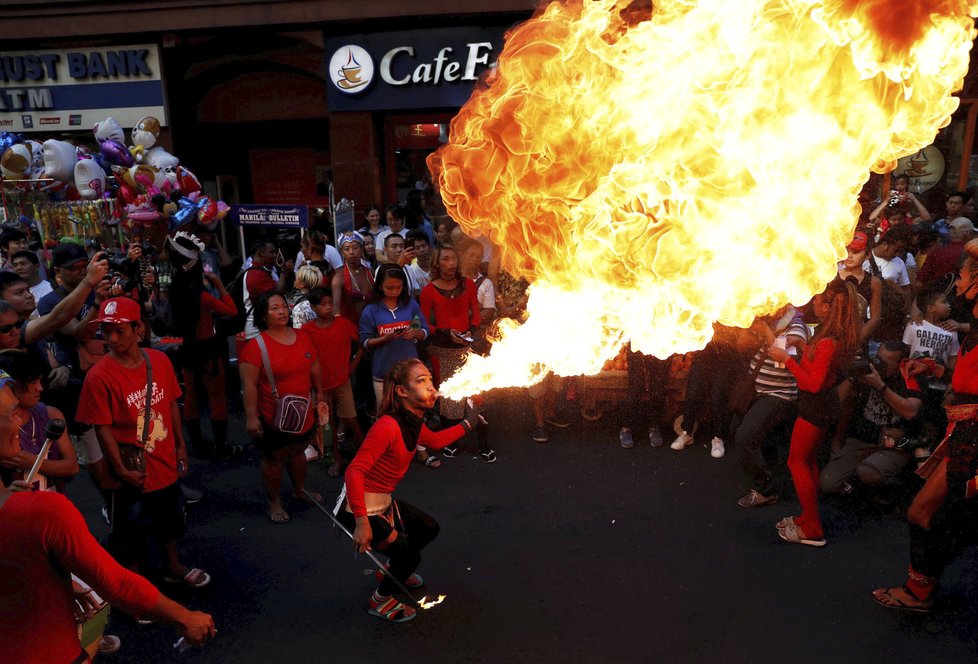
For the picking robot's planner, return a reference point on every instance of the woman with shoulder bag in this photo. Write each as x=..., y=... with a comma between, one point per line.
x=282, y=387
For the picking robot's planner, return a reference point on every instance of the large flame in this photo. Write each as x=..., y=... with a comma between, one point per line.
x=654, y=172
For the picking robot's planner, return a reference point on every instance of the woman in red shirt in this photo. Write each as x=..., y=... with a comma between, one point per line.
x=817, y=373
x=378, y=521
x=295, y=368
x=450, y=303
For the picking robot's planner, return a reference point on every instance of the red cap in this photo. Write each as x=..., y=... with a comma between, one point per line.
x=859, y=241
x=119, y=310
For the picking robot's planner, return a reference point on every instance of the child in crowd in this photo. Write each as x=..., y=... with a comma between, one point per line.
x=928, y=339
x=333, y=336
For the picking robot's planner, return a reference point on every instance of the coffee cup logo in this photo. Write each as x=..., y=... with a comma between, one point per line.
x=351, y=69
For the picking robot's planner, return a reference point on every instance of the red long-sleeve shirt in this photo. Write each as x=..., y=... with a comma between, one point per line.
x=444, y=313
x=815, y=373
x=42, y=538
x=384, y=459
x=210, y=306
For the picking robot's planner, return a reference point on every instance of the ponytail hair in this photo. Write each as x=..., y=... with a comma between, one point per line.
x=842, y=322
x=398, y=375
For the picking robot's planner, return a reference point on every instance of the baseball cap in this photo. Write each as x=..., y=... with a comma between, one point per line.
x=962, y=224
x=859, y=240
x=67, y=253
x=119, y=310
x=6, y=379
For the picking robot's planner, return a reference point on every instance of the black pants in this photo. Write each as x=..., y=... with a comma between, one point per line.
x=648, y=378
x=415, y=530
x=711, y=377
x=138, y=517
x=764, y=418
x=955, y=525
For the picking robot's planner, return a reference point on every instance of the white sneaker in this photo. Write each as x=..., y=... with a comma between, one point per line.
x=716, y=448
x=683, y=441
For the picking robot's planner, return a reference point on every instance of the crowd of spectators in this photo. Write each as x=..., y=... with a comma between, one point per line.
x=850, y=394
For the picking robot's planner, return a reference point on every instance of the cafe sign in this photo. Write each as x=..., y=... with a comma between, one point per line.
x=410, y=69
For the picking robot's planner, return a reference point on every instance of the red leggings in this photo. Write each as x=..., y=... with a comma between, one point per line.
x=805, y=439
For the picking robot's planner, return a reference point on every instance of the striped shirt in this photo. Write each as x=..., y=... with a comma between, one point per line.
x=776, y=380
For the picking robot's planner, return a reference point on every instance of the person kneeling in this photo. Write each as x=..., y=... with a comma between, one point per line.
x=378, y=521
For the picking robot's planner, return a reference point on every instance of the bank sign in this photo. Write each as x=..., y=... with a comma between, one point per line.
x=411, y=69
x=72, y=89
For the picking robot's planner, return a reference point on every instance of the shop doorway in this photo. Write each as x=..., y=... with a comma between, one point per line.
x=408, y=140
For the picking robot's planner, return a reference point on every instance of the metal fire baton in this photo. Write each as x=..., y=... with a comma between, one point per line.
x=371, y=554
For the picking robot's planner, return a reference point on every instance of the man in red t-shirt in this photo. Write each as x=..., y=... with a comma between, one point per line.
x=333, y=338
x=148, y=504
x=259, y=279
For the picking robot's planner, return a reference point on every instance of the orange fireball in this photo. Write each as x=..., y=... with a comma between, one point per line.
x=654, y=172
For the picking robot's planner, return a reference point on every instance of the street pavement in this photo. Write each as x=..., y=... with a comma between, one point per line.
x=572, y=551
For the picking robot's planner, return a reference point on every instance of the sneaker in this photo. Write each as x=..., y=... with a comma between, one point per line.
x=311, y=453
x=655, y=437
x=557, y=421
x=449, y=452
x=489, y=457
x=757, y=499
x=682, y=441
x=540, y=435
x=109, y=644
x=625, y=438
x=716, y=448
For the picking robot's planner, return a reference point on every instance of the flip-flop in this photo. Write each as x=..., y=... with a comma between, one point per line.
x=790, y=533
x=194, y=578
x=279, y=517
x=315, y=497
x=881, y=595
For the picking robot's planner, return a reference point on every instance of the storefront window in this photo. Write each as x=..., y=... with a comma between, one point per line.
x=409, y=141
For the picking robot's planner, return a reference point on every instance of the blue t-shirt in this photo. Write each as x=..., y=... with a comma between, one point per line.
x=379, y=321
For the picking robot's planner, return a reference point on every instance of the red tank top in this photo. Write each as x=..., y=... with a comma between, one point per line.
x=965, y=378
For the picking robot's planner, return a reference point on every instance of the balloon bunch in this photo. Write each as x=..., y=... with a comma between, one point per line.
x=149, y=183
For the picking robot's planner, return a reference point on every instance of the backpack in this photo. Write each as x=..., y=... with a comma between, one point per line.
x=236, y=324
x=894, y=317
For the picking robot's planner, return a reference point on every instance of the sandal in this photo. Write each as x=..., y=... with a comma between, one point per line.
x=885, y=597
x=432, y=461
x=785, y=522
x=791, y=533
x=414, y=581
x=195, y=578
x=316, y=498
x=448, y=452
x=390, y=609
x=279, y=517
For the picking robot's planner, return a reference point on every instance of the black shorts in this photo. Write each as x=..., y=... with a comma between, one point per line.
x=140, y=517
x=271, y=441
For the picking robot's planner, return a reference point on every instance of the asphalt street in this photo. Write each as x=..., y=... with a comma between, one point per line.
x=573, y=551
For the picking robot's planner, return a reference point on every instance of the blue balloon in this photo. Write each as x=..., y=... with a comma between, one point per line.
x=8, y=138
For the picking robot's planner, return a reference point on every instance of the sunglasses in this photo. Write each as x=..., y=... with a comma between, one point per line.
x=4, y=329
